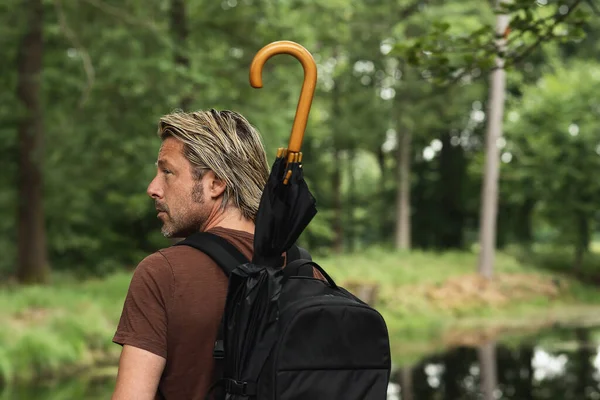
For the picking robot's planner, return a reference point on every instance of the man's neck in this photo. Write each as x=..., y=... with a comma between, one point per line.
x=230, y=219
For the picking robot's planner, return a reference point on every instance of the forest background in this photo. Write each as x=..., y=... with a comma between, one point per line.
x=402, y=149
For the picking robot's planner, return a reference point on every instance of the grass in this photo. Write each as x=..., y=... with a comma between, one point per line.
x=53, y=331
x=558, y=259
x=429, y=300
x=433, y=301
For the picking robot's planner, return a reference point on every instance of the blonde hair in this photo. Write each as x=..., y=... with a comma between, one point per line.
x=227, y=144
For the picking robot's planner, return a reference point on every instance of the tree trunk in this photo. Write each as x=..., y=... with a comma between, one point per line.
x=489, y=193
x=406, y=386
x=379, y=202
x=503, y=224
x=403, y=228
x=583, y=241
x=338, y=241
x=457, y=363
x=525, y=391
x=32, y=264
x=583, y=363
x=452, y=177
x=524, y=222
x=489, y=376
x=180, y=32
x=350, y=226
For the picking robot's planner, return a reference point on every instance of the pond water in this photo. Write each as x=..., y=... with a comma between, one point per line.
x=556, y=364
x=559, y=363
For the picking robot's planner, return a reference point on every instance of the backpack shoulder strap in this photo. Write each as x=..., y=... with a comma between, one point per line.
x=228, y=258
x=297, y=253
x=226, y=255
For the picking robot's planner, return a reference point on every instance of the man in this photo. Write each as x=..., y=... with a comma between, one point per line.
x=211, y=171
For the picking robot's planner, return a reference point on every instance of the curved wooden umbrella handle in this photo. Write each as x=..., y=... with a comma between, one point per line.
x=308, y=87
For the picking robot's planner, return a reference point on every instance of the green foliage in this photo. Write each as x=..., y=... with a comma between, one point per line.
x=556, y=258
x=384, y=67
x=110, y=72
x=452, y=52
x=49, y=332
x=82, y=388
x=407, y=268
x=552, y=132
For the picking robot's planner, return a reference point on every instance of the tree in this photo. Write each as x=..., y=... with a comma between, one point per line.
x=180, y=32
x=489, y=192
x=394, y=141
x=415, y=98
x=552, y=135
x=32, y=264
x=403, y=220
x=454, y=58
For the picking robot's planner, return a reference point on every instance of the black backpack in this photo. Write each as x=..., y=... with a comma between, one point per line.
x=329, y=344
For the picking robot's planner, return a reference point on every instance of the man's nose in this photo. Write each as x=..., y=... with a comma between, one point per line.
x=154, y=190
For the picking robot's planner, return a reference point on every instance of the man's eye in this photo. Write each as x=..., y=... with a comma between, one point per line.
x=166, y=171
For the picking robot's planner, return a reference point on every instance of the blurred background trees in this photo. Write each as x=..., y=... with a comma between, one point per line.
x=394, y=146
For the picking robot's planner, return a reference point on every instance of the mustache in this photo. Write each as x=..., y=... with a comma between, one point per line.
x=161, y=207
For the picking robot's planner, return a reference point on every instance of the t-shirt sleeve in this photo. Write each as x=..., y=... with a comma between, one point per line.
x=143, y=322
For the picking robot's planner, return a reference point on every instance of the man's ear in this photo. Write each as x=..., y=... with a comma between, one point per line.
x=216, y=186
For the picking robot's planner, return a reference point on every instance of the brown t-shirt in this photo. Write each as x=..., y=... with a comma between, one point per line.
x=173, y=309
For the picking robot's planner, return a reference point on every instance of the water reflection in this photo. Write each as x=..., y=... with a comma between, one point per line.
x=489, y=377
x=559, y=364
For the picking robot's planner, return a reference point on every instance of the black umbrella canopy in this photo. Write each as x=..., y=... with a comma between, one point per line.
x=286, y=208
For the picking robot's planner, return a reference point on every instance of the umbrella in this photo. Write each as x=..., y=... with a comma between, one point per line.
x=286, y=208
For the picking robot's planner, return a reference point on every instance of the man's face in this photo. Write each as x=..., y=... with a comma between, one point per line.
x=178, y=196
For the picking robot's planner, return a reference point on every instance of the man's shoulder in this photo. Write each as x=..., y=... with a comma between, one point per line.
x=166, y=256
x=173, y=264
x=153, y=264
x=182, y=257
x=174, y=255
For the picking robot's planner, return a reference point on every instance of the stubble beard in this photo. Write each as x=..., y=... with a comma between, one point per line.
x=183, y=223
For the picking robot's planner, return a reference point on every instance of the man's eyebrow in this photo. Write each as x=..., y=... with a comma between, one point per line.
x=162, y=163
